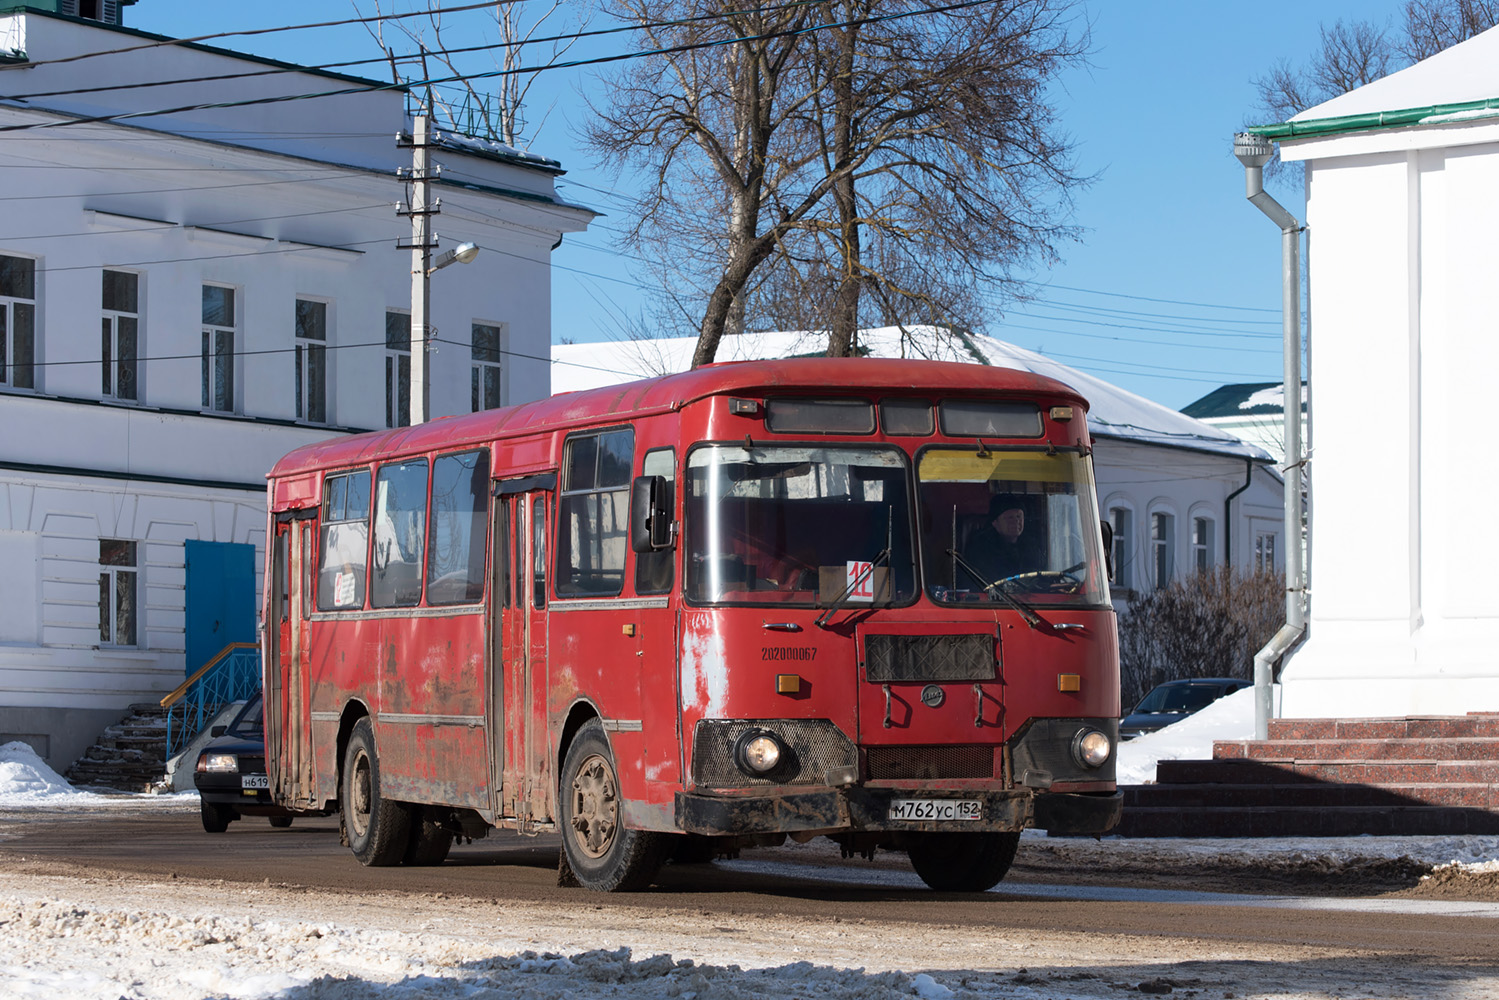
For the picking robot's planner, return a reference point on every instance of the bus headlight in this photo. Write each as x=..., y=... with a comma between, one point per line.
x=758, y=752
x=1091, y=748
x=219, y=762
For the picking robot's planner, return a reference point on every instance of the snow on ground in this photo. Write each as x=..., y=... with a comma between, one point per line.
x=26, y=780
x=1230, y=718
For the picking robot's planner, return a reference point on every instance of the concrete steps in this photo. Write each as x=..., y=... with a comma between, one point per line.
x=129, y=756
x=1330, y=778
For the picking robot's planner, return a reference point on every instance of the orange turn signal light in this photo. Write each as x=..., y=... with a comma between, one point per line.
x=1069, y=682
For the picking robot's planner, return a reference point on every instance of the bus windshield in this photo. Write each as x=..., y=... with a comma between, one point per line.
x=798, y=524
x=1023, y=521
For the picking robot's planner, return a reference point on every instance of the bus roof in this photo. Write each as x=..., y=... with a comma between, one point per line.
x=672, y=392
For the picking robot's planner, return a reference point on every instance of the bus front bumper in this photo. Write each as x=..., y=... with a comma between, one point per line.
x=837, y=810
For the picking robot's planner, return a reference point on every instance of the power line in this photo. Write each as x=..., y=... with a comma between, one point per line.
x=1174, y=302
x=433, y=81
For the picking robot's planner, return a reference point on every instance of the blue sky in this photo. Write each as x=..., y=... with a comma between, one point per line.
x=1174, y=287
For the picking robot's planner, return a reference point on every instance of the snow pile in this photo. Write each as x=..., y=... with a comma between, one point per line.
x=25, y=778
x=1229, y=718
x=56, y=950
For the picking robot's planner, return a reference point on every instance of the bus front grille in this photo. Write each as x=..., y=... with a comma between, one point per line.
x=900, y=763
x=964, y=657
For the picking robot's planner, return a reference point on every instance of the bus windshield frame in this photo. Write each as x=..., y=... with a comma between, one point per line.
x=797, y=524
x=1021, y=519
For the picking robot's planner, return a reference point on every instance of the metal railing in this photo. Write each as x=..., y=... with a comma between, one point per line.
x=232, y=675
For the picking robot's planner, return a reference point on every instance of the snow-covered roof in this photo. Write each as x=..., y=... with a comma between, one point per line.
x=1468, y=71
x=1112, y=413
x=1246, y=399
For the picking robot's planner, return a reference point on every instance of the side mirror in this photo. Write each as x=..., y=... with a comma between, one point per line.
x=1108, y=546
x=650, y=513
x=218, y=731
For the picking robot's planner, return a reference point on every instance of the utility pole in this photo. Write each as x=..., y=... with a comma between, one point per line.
x=421, y=208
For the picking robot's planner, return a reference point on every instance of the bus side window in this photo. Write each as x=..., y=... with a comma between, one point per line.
x=460, y=508
x=653, y=570
x=539, y=553
x=592, y=509
x=345, y=541
x=400, y=534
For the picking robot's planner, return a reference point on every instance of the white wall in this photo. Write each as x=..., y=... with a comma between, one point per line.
x=1404, y=606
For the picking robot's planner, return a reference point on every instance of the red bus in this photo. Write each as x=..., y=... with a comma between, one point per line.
x=701, y=612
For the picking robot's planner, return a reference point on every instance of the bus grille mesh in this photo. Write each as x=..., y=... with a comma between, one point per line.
x=929, y=657
x=816, y=746
x=899, y=763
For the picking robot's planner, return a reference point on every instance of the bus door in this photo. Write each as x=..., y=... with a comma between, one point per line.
x=522, y=675
x=288, y=716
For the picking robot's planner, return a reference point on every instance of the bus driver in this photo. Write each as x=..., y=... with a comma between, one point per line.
x=997, y=550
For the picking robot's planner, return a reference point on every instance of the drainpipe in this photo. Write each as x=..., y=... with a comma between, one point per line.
x=1254, y=152
x=1228, y=523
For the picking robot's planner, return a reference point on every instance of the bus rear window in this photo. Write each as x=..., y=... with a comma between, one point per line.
x=820, y=416
x=981, y=418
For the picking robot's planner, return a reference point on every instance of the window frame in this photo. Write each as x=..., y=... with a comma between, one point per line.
x=305, y=349
x=592, y=494
x=1204, y=532
x=214, y=358
x=112, y=362
x=480, y=368
x=10, y=304
x=1122, y=549
x=397, y=356
x=1162, y=547
x=111, y=575
x=1265, y=545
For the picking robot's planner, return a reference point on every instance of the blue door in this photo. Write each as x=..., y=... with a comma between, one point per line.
x=220, y=598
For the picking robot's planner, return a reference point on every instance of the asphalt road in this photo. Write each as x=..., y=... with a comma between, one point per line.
x=308, y=857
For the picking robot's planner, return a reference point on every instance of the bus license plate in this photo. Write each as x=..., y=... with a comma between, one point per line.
x=255, y=781
x=936, y=810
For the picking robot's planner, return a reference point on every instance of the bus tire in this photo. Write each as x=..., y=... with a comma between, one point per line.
x=603, y=854
x=377, y=829
x=429, y=843
x=962, y=862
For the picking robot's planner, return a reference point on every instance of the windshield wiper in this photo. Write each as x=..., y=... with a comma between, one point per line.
x=822, y=619
x=1026, y=611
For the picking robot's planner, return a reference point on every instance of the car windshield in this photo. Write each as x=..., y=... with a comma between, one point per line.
x=249, y=723
x=1181, y=699
x=1021, y=521
x=798, y=525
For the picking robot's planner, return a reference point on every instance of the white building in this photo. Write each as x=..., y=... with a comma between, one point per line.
x=1180, y=494
x=185, y=296
x=1250, y=411
x=1401, y=213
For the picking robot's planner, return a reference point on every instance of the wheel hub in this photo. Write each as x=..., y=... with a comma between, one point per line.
x=595, y=813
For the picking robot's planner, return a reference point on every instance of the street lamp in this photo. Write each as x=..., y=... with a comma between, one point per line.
x=461, y=254
x=421, y=371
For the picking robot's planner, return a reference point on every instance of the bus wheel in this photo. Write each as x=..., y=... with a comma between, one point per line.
x=377, y=829
x=602, y=853
x=215, y=818
x=962, y=862
x=429, y=843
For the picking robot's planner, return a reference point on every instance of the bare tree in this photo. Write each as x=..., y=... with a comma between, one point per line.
x=924, y=138
x=1351, y=54
x=497, y=114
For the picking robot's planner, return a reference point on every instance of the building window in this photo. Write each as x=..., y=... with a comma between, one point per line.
x=119, y=335
x=1264, y=552
x=117, y=579
x=1162, y=534
x=1123, y=523
x=484, y=376
x=312, y=361
x=17, y=322
x=1202, y=544
x=218, y=348
x=397, y=369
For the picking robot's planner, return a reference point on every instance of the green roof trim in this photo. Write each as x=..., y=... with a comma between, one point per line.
x=1435, y=114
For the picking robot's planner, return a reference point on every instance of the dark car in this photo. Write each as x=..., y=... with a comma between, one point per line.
x=231, y=776
x=1173, y=701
